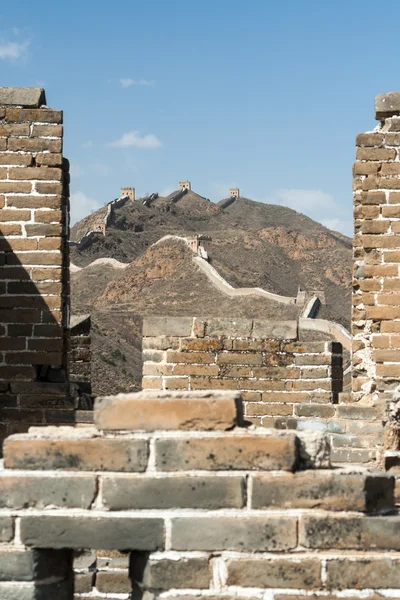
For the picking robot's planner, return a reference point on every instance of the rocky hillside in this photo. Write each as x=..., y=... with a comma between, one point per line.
x=253, y=245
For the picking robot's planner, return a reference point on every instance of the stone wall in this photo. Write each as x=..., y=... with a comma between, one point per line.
x=34, y=287
x=285, y=383
x=203, y=503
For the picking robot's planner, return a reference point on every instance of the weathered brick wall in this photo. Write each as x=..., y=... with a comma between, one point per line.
x=197, y=504
x=80, y=363
x=34, y=287
x=285, y=383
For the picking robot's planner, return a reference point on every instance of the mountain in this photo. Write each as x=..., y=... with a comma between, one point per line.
x=253, y=245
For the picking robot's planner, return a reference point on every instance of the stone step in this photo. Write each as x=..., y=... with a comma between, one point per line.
x=165, y=411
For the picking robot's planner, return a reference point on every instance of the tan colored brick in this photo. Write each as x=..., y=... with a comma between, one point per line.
x=366, y=212
x=49, y=160
x=390, y=169
x=39, y=115
x=392, y=139
x=47, y=216
x=53, y=243
x=390, y=212
x=386, y=356
x=200, y=344
x=34, y=145
x=395, y=226
x=375, y=226
x=207, y=383
x=235, y=371
x=273, y=409
x=190, y=357
x=380, y=241
x=394, y=198
x=176, y=383
x=375, y=154
x=43, y=274
x=53, y=202
x=17, y=244
x=8, y=130
x=231, y=358
x=47, y=131
x=390, y=327
x=14, y=215
x=369, y=285
x=16, y=159
x=196, y=370
x=152, y=383
x=3, y=143
x=382, y=312
x=45, y=173
x=262, y=385
x=389, y=183
x=45, y=229
x=381, y=270
x=380, y=341
x=157, y=369
x=364, y=168
x=372, y=198
x=391, y=257
x=49, y=188
x=388, y=299
x=320, y=384
x=39, y=258
x=15, y=187
x=370, y=139
x=388, y=370
x=151, y=412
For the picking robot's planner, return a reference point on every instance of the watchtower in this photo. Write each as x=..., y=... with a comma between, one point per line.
x=234, y=192
x=128, y=191
x=185, y=185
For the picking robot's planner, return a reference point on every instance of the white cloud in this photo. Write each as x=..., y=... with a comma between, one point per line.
x=75, y=170
x=82, y=206
x=128, y=82
x=133, y=139
x=12, y=50
x=88, y=144
x=101, y=170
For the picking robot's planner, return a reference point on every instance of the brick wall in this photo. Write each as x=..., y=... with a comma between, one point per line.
x=34, y=287
x=196, y=502
x=80, y=358
x=285, y=383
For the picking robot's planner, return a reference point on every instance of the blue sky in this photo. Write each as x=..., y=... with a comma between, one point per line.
x=260, y=94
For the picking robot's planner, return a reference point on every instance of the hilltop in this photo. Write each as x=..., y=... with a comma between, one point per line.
x=253, y=245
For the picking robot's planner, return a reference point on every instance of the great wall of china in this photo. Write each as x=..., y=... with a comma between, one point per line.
x=184, y=493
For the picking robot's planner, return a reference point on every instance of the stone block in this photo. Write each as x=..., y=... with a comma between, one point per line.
x=201, y=492
x=42, y=490
x=92, y=531
x=151, y=411
x=24, y=97
x=6, y=529
x=166, y=574
x=270, y=451
x=363, y=572
x=177, y=326
x=34, y=591
x=289, y=572
x=244, y=534
x=30, y=565
x=325, y=532
x=25, y=451
x=387, y=105
x=337, y=490
x=115, y=582
x=239, y=327
x=278, y=330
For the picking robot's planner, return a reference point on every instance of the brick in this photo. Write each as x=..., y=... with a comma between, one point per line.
x=177, y=326
x=375, y=154
x=49, y=188
x=14, y=215
x=47, y=131
x=382, y=312
x=388, y=299
x=15, y=159
x=92, y=454
x=200, y=344
x=386, y=355
x=161, y=342
x=44, y=173
x=34, y=145
x=201, y=492
x=30, y=565
x=6, y=529
x=190, y=357
x=48, y=216
x=117, y=582
x=325, y=490
x=49, y=160
x=247, y=534
x=17, y=244
x=235, y=371
x=17, y=373
x=35, y=258
x=394, y=197
x=347, y=532
x=170, y=574
x=262, y=408
x=229, y=327
x=216, y=383
x=176, y=383
x=83, y=583
x=364, y=168
x=243, y=358
x=93, y=531
x=9, y=130
x=195, y=370
x=53, y=202
x=288, y=572
x=381, y=241
x=314, y=410
x=358, y=572
x=227, y=452
x=46, y=274
x=39, y=115
x=18, y=492
x=44, y=229
x=20, y=316
x=370, y=139
x=388, y=371
x=147, y=411
x=392, y=139
x=375, y=226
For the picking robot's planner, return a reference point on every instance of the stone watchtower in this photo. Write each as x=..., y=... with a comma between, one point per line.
x=128, y=191
x=234, y=192
x=185, y=185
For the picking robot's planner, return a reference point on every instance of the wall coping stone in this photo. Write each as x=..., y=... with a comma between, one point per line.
x=25, y=97
x=387, y=105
